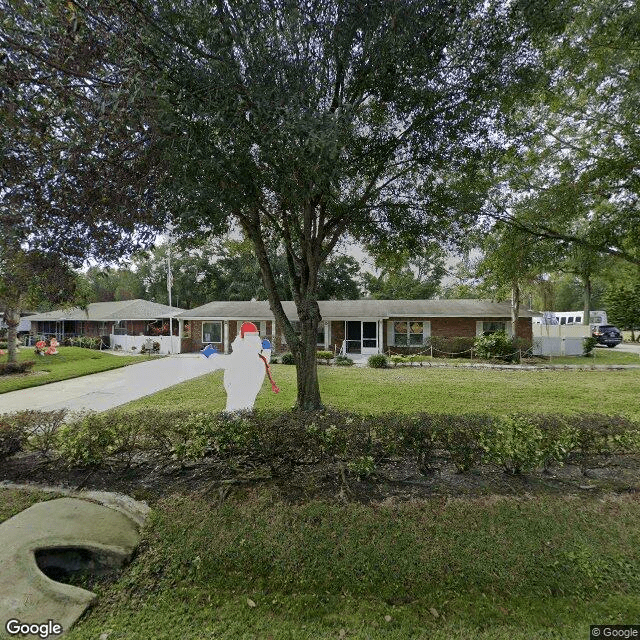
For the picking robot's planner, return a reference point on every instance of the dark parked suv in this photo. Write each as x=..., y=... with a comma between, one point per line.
x=606, y=334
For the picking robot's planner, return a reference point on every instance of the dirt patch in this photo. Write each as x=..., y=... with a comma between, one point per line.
x=398, y=479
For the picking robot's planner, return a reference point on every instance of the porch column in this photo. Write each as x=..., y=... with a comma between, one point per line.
x=225, y=335
x=380, y=337
x=327, y=337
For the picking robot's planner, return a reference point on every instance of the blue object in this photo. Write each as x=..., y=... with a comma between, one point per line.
x=208, y=351
x=266, y=344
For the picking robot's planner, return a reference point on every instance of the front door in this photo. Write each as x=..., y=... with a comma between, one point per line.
x=354, y=336
x=362, y=337
x=369, y=338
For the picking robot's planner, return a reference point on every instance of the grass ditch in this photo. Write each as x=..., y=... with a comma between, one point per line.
x=254, y=566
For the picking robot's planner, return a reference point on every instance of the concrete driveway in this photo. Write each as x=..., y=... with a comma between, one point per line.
x=630, y=347
x=102, y=391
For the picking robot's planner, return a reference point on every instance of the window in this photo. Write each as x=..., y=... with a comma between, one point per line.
x=46, y=327
x=212, y=332
x=493, y=327
x=120, y=328
x=408, y=334
x=320, y=338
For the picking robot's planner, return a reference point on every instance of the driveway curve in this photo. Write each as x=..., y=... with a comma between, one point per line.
x=109, y=389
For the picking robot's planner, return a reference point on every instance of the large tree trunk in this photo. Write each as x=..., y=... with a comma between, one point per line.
x=304, y=347
x=515, y=307
x=12, y=318
x=586, y=313
x=308, y=398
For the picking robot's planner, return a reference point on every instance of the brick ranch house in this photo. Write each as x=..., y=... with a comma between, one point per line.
x=124, y=317
x=359, y=326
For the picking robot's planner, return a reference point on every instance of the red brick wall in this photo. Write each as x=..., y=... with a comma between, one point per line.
x=337, y=335
x=447, y=327
x=461, y=327
x=195, y=342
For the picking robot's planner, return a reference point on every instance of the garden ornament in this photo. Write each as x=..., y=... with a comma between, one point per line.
x=244, y=368
x=53, y=347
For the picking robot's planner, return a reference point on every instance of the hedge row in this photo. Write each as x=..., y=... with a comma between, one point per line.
x=517, y=443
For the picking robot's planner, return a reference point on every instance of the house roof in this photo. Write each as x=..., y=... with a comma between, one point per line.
x=107, y=311
x=339, y=309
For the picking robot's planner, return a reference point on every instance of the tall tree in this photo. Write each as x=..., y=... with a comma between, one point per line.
x=512, y=261
x=70, y=188
x=623, y=306
x=229, y=270
x=301, y=120
x=21, y=288
x=575, y=144
x=405, y=277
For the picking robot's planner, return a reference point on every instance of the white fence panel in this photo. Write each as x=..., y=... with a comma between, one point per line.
x=168, y=344
x=556, y=346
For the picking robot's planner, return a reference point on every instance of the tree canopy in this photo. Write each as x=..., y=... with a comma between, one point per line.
x=573, y=154
x=299, y=120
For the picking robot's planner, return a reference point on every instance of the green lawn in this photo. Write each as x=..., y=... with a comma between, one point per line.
x=600, y=356
x=71, y=362
x=255, y=567
x=431, y=389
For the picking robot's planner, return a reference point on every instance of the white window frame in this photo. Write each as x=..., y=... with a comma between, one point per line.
x=219, y=323
x=426, y=332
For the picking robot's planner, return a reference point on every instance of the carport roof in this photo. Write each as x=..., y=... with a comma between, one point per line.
x=339, y=309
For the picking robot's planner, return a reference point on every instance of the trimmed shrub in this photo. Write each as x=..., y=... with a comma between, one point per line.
x=515, y=443
x=281, y=440
x=362, y=467
x=324, y=356
x=7, y=368
x=94, y=438
x=598, y=435
x=344, y=361
x=419, y=438
x=378, y=361
x=11, y=438
x=288, y=358
x=496, y=345
x=588, y=346
x=454, y=347
x=38, y=428
x=558, y=438
x=463, y=438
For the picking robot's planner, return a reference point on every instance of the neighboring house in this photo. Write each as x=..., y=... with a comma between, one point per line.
x=362, y=326
x=125, y=317
x=23, y=327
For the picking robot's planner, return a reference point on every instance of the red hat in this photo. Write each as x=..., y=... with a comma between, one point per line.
x=248, y=327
